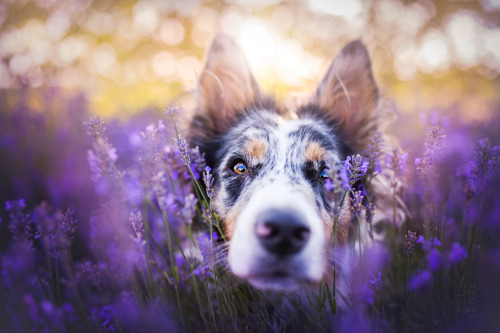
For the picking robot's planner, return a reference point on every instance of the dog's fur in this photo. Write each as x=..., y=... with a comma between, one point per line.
x=285, y=152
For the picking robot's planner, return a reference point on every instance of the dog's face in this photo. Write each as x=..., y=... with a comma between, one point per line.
x=269, y=162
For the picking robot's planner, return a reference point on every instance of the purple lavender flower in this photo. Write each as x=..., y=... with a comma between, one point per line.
x=376, y=281
x=206, y=245
x=136, y=221
x=396, y=161
x=430, y=244
x=157, y=184
x=434, y=259
x=357, y=205
x=355, y=168
x=107, y=315
x=370, y=211
x=184, y=150
x=91, y=272
x=194, y=169
x=482, y=168
x=410, y=240
x=457, y=254
x=209, y=181
x=149, y=148
x=54, y=233
x=373, y=152
x=15, y=205
x=420, y=280
x=95, y=127
x=103, y=156
x=199, y=159
x=337, y=177
x=172, y=111
x=189, y=209
x=16, y=264
x=209, y=252
x=32, y=307
x=53, y=315
x=67, y=229
x=365, y=293
x=435, y=145
x=19, y=223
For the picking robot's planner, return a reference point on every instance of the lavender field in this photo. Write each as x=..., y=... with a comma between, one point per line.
x=106, y=221
x=110, y=229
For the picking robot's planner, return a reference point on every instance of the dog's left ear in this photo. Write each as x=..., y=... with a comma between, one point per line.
x=349, y=96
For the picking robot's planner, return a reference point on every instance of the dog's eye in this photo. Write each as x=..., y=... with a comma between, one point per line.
x=324, y=174
x=240, y=168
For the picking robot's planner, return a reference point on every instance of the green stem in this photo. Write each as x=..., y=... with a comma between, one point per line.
x=394, y=204
x=359, y=235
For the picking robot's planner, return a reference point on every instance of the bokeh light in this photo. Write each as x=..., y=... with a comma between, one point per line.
x=126, y=55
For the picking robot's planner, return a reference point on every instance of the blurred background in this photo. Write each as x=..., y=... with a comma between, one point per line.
x=126, y=55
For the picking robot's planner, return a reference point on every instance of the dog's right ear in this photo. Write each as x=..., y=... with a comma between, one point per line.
x=225, y=88
x=348, y=94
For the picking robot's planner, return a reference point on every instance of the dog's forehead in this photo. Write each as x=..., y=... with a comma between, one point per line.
x=265, y=130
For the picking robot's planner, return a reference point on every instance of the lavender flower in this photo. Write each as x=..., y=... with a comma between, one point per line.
x=16, y=205
x=199, y=159
x=376, y=281
x=430, y=244
x=189, y=209
x=208, y=251
x=107, y=315
x=20, y=223
x=355, y=168
x=457, y=254
x=370, y=211
x=184, y=150
x=420, y=280
x=172, y=111
x=410, y=240
x=434, y=259
x=48, y=226
x=158, y=184
x=365, y=293
x=91, y=272
x=136, y=221
x=337, y=181
x=435, y=145
x=67, y=229
x=482, y=168
x=357, y=205
x=209, y=181
x=149, y=149
x=103, y=156
x=95, y=127
x=373, y=152
x=16, y=265
x=396, y=161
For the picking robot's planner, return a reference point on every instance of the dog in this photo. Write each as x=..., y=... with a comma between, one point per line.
x=268, y=162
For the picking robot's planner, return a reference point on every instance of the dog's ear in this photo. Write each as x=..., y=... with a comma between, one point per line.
x=225, y=87
x=349, y=96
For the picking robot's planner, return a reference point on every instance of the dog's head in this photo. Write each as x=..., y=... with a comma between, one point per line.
x=269, y=161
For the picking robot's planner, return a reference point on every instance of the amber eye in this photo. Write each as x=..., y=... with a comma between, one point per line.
x=240, y=168
x=324, y=174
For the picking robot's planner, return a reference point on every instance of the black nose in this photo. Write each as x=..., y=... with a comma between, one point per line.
x=282, y=233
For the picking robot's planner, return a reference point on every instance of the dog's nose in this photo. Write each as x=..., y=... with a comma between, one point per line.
x=282, y=233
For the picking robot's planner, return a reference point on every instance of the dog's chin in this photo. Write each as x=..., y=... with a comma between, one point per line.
x=279, y=281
